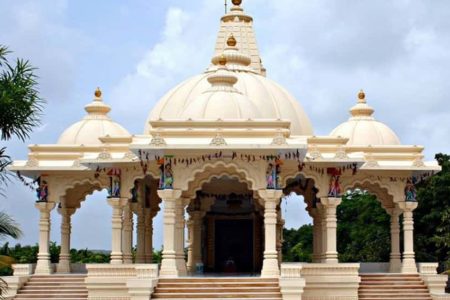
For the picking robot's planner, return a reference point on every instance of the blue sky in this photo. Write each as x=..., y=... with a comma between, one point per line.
x=322, y=51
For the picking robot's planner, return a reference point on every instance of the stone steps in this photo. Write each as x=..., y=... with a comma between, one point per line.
x=249, y=288
x=392, y=287
x=56, y=287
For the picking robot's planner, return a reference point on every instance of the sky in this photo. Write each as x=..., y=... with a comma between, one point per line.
x=322, y=51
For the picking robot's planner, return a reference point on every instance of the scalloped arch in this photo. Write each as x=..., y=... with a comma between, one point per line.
x=211, y=168
x=197, y=185
x=373, y=187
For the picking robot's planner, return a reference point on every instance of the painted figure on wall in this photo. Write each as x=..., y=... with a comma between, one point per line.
x=166, y=174
x=42, y=190
x=335, y=187
x=114, y=183
x=410, y=191
x=270, y=176
x=134, y=192
x=273, y=175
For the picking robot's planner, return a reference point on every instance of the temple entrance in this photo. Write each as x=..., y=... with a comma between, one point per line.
x=227, y=225
x=234, y=246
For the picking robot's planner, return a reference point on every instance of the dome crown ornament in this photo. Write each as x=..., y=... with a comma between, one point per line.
x=231, y=42
x=362, y=109
x=237, y=2
x=98, y=93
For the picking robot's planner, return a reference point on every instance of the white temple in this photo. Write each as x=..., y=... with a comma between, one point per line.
x=225, y=146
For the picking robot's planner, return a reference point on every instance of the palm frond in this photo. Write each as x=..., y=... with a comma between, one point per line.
x=9, y=227
x=19, y=98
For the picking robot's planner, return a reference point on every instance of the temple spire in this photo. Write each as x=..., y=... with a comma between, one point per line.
x=240, y=25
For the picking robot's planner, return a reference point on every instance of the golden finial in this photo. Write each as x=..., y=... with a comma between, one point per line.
x=222, y=60
x=231, y=42
x=237, y=2
x=361, y=95
x=98, y=93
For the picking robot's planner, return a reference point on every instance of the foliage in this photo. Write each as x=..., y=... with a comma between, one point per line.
x=363, y=231
x=431, y=218
x=19, y=98
x=297, y=244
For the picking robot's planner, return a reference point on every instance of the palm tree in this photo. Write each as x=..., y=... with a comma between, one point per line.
x=20, y=112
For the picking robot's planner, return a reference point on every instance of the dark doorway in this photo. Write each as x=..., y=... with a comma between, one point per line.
x=234, y=246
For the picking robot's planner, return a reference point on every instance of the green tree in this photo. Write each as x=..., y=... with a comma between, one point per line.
x=431, y=218
x=363, y=231
x=20, y=112
x=298, y=243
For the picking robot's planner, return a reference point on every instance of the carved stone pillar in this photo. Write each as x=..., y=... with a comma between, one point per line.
x=127, y=234
x=169, y=259
x=395, y=262
x=280, y=226
x=271, y=200
x=43, y=265
x=179, y=237
x=140, y=232
x=117, y=205
x=322, y=228
x=148, y=248
x=317, y=236
x=330, y=205
x=66, y=226
x=409, y=262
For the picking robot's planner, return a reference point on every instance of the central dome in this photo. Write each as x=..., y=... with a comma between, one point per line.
x=253, y=95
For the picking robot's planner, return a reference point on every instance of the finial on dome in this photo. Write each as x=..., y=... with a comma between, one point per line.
x=362, y=95
x=98, y=93
x=222, y=60
x=237, y=2
x=231, y=42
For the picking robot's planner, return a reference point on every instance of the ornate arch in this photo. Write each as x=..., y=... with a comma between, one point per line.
x=377, y=188
x=253, y=174
x=195, y=186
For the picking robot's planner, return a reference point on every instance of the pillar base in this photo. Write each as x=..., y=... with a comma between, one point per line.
x=43, y=267
x=395, y=265
x=270, y=268
x=168, y=268
x=63, y=267
x=409, y=266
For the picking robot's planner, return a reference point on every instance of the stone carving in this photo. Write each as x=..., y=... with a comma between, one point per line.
x=32, y=162
x=104, y=154
x=279, y=140
x=218, y=140
x=158, y=141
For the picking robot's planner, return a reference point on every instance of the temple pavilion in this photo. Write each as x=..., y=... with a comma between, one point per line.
x=223, y=148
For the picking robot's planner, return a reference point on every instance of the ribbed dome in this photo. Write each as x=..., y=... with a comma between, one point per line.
x=261, y=98
x=362, y=129
x=221, y=100
x=94, y=125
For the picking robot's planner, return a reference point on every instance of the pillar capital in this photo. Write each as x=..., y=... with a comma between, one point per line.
x=66, y=211
x=117, y=202
x=45, y=207
x=166, y=195
x=328, y=202
x=270, y=195
x=407, y=206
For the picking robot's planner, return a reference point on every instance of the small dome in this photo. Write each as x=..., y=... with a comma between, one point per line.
x=94, y=125
x=362, y=129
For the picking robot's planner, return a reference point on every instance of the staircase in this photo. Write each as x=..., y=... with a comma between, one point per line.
x=249, y=288
x=56, y=287
x=393, y=287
